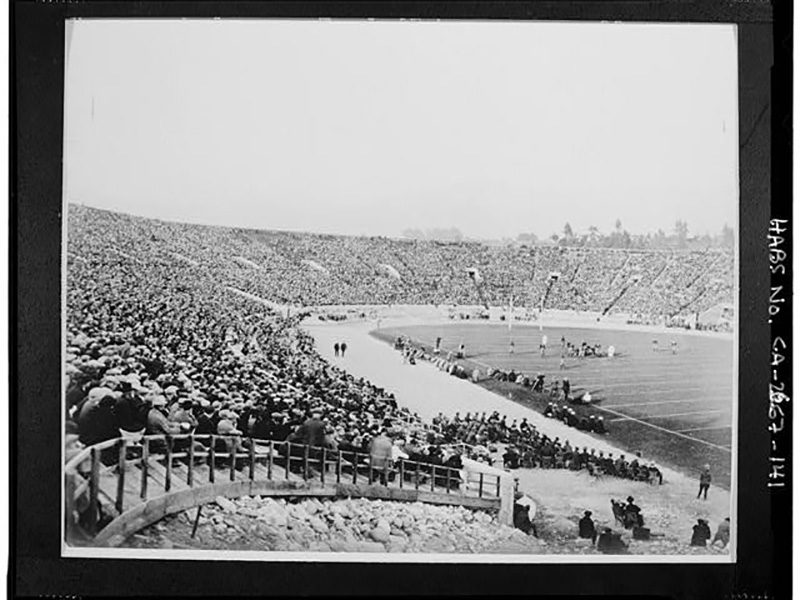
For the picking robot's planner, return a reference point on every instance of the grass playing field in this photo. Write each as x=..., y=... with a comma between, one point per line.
x=674, y=408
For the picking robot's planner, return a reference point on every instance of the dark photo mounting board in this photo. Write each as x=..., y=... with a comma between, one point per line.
x=763, y=557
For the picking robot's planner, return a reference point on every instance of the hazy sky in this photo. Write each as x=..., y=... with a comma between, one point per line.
x=373, y=127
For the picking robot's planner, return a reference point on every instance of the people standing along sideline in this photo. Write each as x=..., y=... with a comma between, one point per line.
x=336, y=349
x=343, y=348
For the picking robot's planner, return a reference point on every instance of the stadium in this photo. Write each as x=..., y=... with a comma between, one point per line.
x=565, y=376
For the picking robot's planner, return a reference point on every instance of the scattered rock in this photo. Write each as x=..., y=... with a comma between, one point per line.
x=227, y=505
x=380, y=534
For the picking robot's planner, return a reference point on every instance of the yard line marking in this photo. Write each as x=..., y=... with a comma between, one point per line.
x=621, y=383
x=665, y=430
x=631, y=404
x=703, y=428
x=599, y=389
x=683, y=414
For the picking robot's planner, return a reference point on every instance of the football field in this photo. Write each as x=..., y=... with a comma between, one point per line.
x=676, y=408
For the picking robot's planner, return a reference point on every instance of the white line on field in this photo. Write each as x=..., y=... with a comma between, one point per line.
x=633, y=404
x=683, y=414
x=696, y=394
x=704, y=428
x=665, y=430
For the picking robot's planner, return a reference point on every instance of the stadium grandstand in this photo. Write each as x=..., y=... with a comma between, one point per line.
x=152, y=325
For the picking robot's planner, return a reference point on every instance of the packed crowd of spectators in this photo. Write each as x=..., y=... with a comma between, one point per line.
x=158, y=343
x=314, y=269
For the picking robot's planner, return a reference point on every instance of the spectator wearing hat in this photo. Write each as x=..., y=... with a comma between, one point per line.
x=158, y=422
x=632, y=514
x=231, y=437
x=130, y=409
x=97, y=422
x=312, y=431
x=586, y=528
x=208, y=419
x=380, y=452
x=182, y=413
x=700, y=533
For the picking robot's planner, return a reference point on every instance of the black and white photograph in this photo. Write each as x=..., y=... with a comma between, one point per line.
x=365, y=299
x=431, y=291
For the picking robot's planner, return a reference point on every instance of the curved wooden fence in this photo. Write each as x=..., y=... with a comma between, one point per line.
x=119, y=486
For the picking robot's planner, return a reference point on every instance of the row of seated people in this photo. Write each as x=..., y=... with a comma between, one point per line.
x=528, y=448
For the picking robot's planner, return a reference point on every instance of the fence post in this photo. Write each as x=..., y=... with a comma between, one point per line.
x=402, y=472
x=69, y=494
x=288, y=457
x=168, y=478
x=447, y=480
x=498, y=485
x=505, y=516
x=416, y=476
x=252, y=460
x=233, y=442
x=338, y=466
x=94, y=481
x=480, y=485
x=212, y=459
x=121, y=474
x=369, y=480
x=190, y=472
x=145, y=464
x=355, y=467
x=433, y=479
x=269, y=460
x=305, y=462
x=322, y=470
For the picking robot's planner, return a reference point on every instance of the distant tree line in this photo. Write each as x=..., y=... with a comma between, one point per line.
x=679, y=238
x=451, y=234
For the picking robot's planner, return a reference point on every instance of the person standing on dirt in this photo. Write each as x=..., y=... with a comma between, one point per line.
x=343, y=347
x=705, y=482
x=586, y=528
x=336, y=349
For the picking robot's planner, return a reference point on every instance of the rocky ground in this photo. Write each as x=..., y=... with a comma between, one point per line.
x=360, y=525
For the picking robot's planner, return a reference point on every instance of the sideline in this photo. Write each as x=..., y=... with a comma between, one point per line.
x=620, y=416
x=426, y=390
